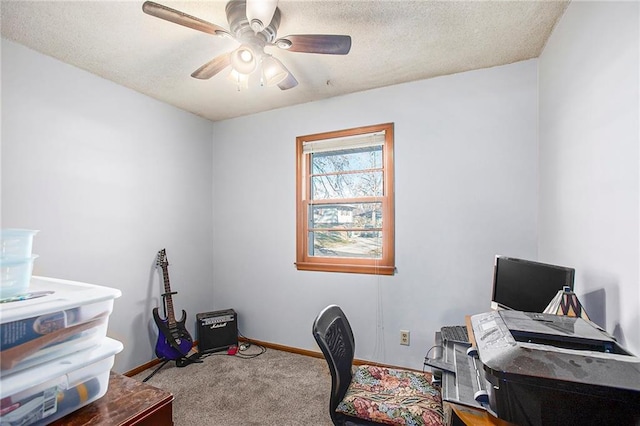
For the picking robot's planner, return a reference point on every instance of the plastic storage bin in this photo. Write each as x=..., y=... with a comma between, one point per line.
x=16, y=261
x=56, y=318
x=16, y=243
x=15, y=275
x=50, y=391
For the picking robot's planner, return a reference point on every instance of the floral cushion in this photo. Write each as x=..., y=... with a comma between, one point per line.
x=394, y=397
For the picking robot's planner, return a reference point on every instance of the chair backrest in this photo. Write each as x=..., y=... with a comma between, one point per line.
x=333, y=333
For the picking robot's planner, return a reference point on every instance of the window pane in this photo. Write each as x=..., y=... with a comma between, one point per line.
x=345, y=244
x=368, y=215
x=350, y=185
x=356, y=215
x=347, y=160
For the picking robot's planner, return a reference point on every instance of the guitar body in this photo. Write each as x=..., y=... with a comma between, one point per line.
x=173, y=342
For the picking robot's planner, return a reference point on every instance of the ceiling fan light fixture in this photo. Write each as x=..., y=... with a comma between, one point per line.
x=260, y=13
x=254, y=25
x=243, y=60
x=273, y=72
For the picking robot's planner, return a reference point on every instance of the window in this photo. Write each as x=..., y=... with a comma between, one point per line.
x=345, y=206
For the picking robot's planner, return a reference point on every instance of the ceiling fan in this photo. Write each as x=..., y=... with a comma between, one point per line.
x=254, y=24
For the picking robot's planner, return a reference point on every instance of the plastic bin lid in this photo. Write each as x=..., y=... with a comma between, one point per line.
x=18, y=232
x=37, y=375
x=58, y=295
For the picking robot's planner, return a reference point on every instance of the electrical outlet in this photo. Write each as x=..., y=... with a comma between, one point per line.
x=404, y=337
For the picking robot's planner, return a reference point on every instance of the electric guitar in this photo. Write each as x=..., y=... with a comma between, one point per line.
x=174, y=341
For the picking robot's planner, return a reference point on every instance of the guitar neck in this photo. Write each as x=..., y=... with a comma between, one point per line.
x=171, y=318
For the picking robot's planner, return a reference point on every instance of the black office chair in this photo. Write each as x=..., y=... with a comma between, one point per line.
x=371, y=395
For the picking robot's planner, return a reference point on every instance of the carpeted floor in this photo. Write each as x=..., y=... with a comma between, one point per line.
x=274, y=388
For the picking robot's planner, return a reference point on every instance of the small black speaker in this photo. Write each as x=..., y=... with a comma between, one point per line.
x=217, y=330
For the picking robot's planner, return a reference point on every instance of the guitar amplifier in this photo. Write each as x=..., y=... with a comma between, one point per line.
x=217, y=330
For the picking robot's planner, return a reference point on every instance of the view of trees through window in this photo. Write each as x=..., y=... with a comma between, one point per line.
x=344, y=219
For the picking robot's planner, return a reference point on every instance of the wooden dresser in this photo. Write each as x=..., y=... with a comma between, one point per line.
x=127, y=402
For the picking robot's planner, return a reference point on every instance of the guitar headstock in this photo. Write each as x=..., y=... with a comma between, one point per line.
x=161, y=259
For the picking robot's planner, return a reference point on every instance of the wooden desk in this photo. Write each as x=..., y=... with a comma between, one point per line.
x=463, y=415
x=127, y=402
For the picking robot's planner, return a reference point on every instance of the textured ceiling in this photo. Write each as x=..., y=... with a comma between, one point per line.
x=392, y=42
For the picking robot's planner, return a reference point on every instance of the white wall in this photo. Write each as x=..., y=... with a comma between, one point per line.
x=109, y=177
x=589, y=79
x=466, y=190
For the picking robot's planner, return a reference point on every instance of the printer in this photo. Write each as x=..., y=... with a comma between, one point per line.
x=545, y=369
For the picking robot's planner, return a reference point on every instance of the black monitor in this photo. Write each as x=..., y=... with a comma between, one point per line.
x=525, y=285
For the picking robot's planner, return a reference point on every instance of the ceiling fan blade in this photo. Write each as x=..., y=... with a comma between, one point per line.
x=316, y=43
x=181, y=18
x=213, y=67
x=288, y=83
